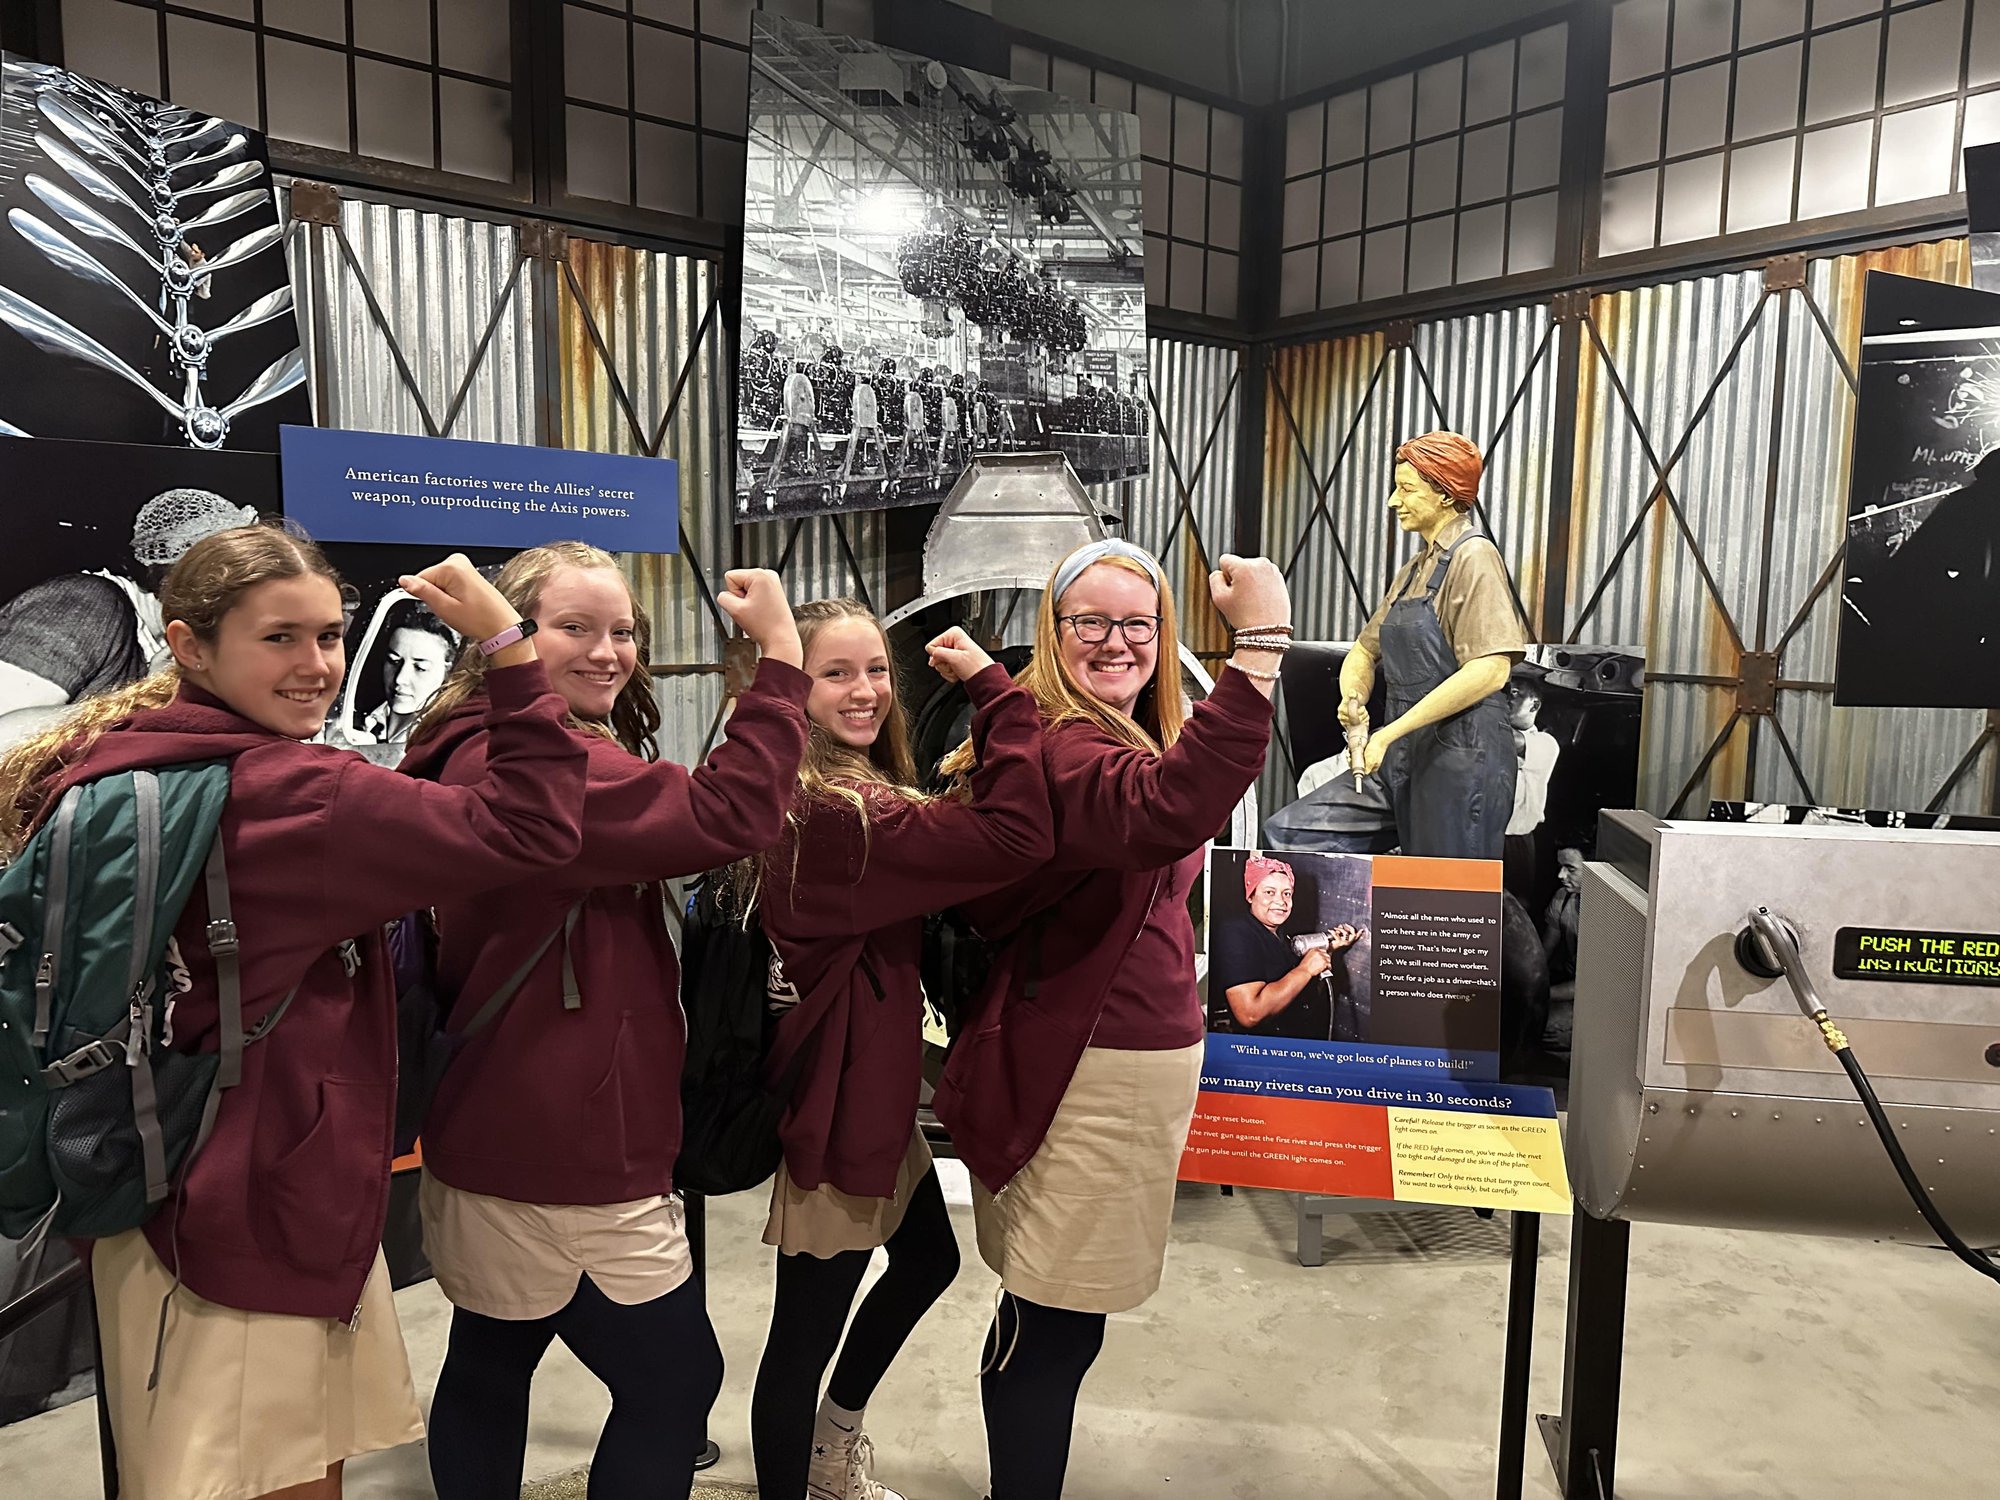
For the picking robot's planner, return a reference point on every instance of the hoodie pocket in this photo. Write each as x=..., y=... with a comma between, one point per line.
x=631, y=1120
x=311, y=1201
x=604, y=1126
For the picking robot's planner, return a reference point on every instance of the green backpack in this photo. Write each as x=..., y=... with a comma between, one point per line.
x=98, y=1112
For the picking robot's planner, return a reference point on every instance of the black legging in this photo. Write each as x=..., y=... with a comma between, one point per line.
x=1033, y=1366
x=807, y=1313
x=659, y=1358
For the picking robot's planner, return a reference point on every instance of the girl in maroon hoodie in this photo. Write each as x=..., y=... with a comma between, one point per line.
x=1070, y=1087
x=549, y=1150
x=250, y=1342
x=863, y=858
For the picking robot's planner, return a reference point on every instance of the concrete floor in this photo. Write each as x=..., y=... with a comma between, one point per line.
x=1757, y=1365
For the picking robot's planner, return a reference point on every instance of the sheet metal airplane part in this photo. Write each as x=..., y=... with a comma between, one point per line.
x=119, y=149
x=1698, y=1095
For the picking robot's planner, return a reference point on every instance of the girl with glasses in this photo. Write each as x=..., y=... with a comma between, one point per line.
x=1072, y=1081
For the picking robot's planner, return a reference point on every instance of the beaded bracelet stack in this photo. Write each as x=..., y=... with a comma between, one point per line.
x=1276, y=639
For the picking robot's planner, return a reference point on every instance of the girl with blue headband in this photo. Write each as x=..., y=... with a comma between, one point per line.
x=1073, y=1079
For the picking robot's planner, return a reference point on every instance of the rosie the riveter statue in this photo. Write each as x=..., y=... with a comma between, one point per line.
x=1446, y=636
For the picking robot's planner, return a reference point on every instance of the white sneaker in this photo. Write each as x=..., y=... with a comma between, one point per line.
x=846, y=1471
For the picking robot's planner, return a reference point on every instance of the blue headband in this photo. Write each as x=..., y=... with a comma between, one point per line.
x=1095, y=553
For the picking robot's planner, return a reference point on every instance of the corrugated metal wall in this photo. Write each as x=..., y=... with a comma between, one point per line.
x=455, y=297
x=1679, y=379
x=642, y=372
x=825, y=556
x=1712, y=430
x=1184, y=510
x=1330, y=424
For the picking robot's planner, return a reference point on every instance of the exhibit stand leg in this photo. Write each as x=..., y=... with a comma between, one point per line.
x=1583, y=1440
x=1524, y=1248
x=1312, y=1209
x=697, y=1233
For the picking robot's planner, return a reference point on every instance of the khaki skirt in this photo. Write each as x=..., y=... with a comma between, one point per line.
x=521, y=1261
x=825, y=1221
x=247, y=1402
x=1084, y=1225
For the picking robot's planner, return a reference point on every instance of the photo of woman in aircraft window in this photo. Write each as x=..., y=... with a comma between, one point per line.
x=402, y=661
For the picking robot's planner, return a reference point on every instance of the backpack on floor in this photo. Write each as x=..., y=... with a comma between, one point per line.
x=732, y=985
x=97, y=1111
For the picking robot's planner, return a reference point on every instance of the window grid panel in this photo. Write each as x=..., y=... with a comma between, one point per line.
x=1899, y=71
x=1455, y=189
x=1181, y=172
x=685, y=138
x=396, y=78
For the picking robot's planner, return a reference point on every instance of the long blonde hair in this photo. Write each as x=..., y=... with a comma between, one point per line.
x=831, y=771
x=828, y=763
x=1157, y=714
x=635, y=712
x=208, y=581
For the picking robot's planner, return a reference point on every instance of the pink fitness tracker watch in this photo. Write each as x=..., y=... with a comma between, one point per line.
x=520, y=630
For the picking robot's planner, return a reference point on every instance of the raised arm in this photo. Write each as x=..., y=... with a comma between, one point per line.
x=394, y=842
x=919, y=857
x=655, y=820
x=1254, y=1003
x=1126, y=809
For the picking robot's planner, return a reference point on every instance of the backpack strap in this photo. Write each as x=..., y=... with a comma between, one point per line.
x=139, y=984
x=55, y=911
x=572, y=995
x=488, y=1013
x=224, y=949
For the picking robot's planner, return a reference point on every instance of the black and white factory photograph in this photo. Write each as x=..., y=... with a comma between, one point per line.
x=937, y=264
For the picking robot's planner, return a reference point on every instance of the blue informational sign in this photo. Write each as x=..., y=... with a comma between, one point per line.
x=378, y=487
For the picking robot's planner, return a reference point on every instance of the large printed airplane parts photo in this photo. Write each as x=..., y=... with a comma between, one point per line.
x=143, y=288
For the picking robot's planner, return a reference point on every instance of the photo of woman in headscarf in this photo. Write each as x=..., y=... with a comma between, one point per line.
x=89, y=632
x=1273, y=982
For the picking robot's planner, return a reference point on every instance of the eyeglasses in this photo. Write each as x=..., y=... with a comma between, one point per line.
x=1095, y=630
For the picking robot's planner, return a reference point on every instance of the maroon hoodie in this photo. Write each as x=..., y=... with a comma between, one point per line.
x=1124, y=818
x=555, y=1105
x=836, y=894
x=282, y=1209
